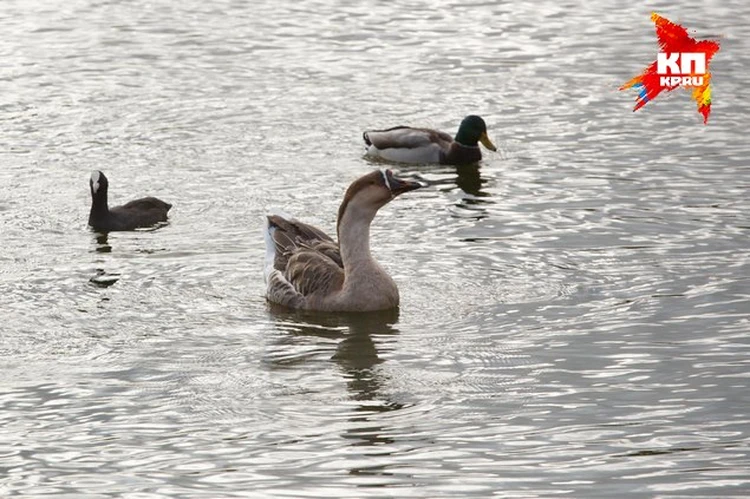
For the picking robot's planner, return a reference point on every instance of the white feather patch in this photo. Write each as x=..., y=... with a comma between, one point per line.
x=95, y=180
x=384, y=172
x=270, y=250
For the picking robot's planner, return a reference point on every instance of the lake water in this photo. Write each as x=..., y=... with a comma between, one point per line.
x=575, y=312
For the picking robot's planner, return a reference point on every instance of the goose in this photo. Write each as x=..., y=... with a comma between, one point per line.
x=306, y=269
x=405, y=144
x=143, y=212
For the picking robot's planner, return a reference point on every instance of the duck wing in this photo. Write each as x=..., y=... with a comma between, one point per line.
x=404, y=137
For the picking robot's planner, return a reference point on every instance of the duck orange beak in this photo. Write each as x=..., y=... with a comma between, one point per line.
x=486, y=142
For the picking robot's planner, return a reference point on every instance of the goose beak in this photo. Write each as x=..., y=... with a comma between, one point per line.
x=400, y=185
x=486, y=142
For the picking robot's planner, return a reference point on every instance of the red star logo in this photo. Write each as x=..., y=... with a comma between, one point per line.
x=673, y=39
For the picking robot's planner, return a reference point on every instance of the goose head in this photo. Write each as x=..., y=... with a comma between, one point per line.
x=366, y=195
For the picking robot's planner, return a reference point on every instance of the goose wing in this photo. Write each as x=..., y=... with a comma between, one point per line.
x=301, y=261
x=311, y=272
x=291, y=235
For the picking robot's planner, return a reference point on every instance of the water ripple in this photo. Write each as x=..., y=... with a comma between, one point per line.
x=574, y=309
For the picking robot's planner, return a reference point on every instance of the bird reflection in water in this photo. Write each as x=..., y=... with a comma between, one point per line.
x=102, y=278
x=102, y=243
x=469, y=179
x=364, y=337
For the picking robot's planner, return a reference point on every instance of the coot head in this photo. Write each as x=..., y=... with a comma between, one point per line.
x=99, y=184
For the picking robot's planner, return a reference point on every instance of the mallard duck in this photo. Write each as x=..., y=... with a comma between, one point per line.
x=306, y=269
x=405, y=144
x=143, y=212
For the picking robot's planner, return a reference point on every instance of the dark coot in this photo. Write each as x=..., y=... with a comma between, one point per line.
x=143, y=212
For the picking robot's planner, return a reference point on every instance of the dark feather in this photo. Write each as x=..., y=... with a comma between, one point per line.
x=147, y=203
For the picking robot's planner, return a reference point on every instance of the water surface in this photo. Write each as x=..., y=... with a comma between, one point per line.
x=575, y=310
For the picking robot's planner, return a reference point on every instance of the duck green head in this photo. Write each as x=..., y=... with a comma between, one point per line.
x=473, y=130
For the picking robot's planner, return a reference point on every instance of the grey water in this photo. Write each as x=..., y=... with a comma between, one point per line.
x=575, y=310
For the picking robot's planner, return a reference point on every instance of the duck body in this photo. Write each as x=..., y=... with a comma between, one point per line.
x=144, y=212
x=404, y=144
x=306, y=269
